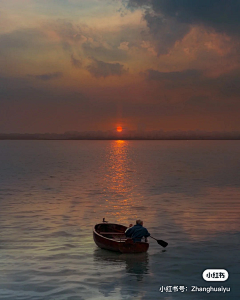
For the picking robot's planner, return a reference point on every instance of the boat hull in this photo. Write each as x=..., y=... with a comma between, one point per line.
x=111, y=236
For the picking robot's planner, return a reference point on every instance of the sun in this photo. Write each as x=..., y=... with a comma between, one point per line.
x=119, y=129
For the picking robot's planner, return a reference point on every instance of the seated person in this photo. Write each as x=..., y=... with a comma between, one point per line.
x=137, y=232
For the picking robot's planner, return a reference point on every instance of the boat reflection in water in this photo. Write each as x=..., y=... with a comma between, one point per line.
x=135, y=264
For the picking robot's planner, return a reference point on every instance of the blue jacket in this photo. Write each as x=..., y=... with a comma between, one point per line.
x=137, y=232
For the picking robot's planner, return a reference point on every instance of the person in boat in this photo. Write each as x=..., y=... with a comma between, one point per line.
x=137, y=232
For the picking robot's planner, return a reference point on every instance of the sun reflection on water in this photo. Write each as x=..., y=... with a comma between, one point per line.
x=119, y=182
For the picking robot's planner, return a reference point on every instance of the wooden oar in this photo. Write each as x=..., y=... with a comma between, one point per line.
x=160, y=242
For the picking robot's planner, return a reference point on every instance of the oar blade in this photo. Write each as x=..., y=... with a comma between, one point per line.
x=162, y=243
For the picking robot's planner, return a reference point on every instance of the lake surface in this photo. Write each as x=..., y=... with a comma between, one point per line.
x=53, y=192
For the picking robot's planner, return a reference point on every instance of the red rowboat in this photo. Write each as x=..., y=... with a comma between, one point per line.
x=112, y=237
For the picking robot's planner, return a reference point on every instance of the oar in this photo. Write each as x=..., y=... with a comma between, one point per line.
x=160, y=242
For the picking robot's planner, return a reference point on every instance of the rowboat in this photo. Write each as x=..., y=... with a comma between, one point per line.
x=111, y=236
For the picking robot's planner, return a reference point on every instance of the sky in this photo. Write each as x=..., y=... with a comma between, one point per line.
x=77, y=65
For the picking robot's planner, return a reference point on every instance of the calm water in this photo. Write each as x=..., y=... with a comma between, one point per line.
x=53, y=192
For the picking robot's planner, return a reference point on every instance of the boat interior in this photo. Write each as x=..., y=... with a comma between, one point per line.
x=111, y=231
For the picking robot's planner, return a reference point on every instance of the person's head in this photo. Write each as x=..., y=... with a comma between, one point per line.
x=139, y=222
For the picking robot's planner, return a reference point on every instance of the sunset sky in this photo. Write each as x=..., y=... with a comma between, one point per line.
x=76, y=65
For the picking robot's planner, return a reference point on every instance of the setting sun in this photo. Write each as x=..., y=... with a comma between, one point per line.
x=119, y=129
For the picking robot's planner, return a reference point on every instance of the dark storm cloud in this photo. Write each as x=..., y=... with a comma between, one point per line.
x=165, y=31
x=100, y=68
x=170, y=20
x=47, y=76
x=76, y=62
x=222, y=15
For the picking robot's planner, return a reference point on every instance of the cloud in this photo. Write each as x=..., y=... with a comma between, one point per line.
x=100, y=68
x=87, y=41
x=65, y=32
x=104, y=53
x=179, y=75
x=76, y=62
x=28, y=106
x=225, y=87
x=124, y=46
x=21, y=39
x=177, y=80
x=219, y=14
x=165, y=32
x=47, y=76
x=170, y=20
x=228, y=85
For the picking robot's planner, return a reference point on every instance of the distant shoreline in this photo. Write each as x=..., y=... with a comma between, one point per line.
x=124, y=139
x=127, y=135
